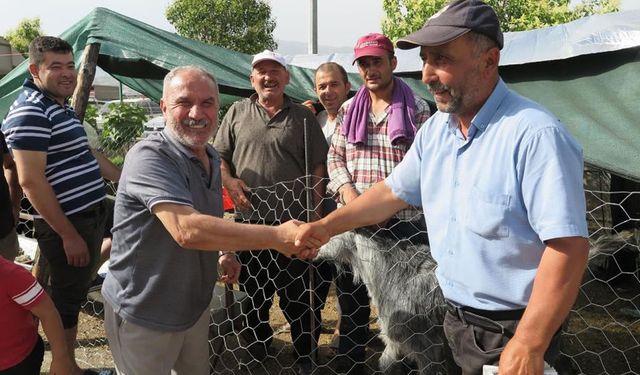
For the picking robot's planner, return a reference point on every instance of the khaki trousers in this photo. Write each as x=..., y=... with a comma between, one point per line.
x=138, y=350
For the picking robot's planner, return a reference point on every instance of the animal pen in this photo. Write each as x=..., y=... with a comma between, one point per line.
x=585, y=72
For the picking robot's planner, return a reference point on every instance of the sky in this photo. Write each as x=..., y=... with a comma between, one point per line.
x=340, y=22
x=336, y=26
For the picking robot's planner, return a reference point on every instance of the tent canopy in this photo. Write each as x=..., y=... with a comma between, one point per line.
x=587, y=72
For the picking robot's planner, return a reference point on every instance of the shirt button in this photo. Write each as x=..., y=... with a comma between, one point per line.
x=456, y=184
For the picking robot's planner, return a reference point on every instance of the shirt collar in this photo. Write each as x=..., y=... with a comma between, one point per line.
x=485, y=114
x=285, y=104
x=30, y=84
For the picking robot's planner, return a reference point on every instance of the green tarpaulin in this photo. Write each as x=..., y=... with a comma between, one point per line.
x=594, y=94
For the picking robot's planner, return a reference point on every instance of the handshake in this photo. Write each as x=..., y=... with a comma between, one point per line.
x=297, y=239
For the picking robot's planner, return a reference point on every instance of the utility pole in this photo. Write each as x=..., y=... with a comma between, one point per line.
x=312, y=45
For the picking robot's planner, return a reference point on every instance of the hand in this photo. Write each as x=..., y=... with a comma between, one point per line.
x=310, y=237
x=236, y=189
x=76, y=250
x=348, y=194
x=230, y=268
x=63, y=366
x=286, y=237
x=518, y=358
x=309, y=105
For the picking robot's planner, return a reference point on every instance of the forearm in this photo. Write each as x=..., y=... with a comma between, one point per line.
x=337, y=170
x=373, y=206
x=205, y=232
x=52, y=326
x=554, y=291
x=225, y=172
x=107, y=168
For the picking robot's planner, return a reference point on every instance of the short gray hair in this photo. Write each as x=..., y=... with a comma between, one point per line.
x=198, y=69
x=480, y=42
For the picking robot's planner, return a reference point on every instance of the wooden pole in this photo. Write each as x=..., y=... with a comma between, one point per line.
x=86, y=73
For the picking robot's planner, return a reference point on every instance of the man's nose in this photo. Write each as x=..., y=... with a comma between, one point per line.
x=195, y=112
x=428, y=74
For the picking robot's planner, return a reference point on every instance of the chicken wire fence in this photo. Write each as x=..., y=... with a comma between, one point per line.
x=601, y=335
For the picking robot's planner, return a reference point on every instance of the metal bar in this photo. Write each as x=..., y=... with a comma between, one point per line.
x=311, y=267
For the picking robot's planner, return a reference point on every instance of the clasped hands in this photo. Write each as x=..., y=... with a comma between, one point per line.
x=297, y=239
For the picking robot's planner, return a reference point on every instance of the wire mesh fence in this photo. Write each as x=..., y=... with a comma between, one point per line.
x=401, y=327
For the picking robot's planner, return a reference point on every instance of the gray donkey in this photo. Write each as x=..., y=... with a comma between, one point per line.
x=402, y=284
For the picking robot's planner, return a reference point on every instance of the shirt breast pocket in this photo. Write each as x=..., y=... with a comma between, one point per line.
x=486, y=213
x=290, y=138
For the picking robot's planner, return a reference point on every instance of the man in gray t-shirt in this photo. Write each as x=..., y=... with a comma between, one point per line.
x=166, y=236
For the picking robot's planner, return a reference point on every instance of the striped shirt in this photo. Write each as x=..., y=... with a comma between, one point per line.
x=364, y=165
x=36, y=122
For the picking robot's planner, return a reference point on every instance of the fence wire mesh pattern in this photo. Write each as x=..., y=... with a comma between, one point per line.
x=264, y=325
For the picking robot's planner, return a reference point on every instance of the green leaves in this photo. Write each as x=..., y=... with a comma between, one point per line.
x=123, y=124
x=406, y=16
x=26, y=31
x=241, y=25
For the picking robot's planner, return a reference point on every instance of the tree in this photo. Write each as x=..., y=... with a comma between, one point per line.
x=26, y=31
x=241, y=25
x=406, y=16
x=123, y=124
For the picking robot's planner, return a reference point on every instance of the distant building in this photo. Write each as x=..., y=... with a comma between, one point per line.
x=9, y=57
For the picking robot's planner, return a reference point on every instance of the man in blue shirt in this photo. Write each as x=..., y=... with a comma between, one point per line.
x=500, y=182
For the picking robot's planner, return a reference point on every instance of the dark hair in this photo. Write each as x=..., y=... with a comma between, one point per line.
x=332, y=66
x=42, y=44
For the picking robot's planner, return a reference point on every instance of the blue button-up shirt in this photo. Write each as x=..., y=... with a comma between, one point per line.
x=491, y=200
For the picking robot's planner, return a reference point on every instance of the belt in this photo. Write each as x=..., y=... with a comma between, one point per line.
x=487, y=319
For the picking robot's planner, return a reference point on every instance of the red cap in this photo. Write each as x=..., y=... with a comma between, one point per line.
x=372, y=45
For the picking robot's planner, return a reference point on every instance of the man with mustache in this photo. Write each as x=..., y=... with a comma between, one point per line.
x=61, y=175
x=168, y=229
x=262, y=146
x=373, y=131
x=500, y=182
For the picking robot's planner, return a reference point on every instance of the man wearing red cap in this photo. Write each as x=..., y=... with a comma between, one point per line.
x=373, y=132
x=500, y=182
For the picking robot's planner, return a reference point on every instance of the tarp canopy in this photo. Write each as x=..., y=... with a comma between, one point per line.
x=587, y=72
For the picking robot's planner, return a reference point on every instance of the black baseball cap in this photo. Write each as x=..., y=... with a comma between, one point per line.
x=453, y=20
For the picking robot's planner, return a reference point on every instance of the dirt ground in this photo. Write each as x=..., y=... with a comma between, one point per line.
x=93, y=350
x=604, y=338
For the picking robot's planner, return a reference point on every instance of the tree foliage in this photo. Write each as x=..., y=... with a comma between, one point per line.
x=123, y=124
x=26, y=31
x=406, y=16
x=241, y=25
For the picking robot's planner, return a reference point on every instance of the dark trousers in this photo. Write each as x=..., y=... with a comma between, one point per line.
x=354, y=297
x=31, y=364
x=69, y=284
x=476, y=341
x=266, y=272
